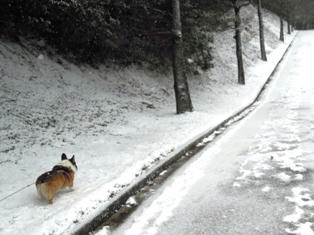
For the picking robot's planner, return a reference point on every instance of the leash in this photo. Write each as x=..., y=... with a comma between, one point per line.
x=57, y=168
x=10, y=195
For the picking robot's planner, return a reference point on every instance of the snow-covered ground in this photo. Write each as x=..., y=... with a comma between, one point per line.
x=117, y=122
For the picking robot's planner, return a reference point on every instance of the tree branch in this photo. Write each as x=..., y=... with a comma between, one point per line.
x=245, y=4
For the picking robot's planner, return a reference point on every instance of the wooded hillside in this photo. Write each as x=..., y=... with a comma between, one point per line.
x=123, y=31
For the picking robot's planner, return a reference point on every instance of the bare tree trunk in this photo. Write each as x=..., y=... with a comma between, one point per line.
x=288, y=5
x=181, y=88
x=289, y=27
x=261, y=30
x=282, y=38
x=237, y=24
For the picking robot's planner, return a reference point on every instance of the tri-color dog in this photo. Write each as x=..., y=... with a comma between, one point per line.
x=61, y=176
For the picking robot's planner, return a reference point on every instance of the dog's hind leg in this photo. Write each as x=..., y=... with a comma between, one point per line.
x=51, y=195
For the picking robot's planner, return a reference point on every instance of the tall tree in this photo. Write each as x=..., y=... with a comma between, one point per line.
x=289, y=15
x=283, y=6
x=281, y=37
x=237, y=23
x=181, y=88
x=288, y=27
x=261, y=30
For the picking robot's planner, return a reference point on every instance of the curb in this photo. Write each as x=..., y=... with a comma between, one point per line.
x=117, y=203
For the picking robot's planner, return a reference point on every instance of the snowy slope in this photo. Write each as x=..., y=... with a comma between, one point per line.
x=117, y=122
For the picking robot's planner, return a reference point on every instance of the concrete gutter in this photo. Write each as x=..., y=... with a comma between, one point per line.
x=194, y=145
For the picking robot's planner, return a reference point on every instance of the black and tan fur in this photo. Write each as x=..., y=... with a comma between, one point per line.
x=61, y=176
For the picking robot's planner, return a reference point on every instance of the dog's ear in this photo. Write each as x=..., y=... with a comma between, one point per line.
x=63, y=156
x=73, y=161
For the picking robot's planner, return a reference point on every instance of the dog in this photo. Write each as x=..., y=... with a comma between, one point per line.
x=60, y=177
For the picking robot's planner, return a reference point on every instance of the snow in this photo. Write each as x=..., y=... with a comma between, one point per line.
x=294, y=218
x=302, y=199
x=266, y=189
x=284, y=177
x=131, y=201
x=162, y=209
x=119, y=123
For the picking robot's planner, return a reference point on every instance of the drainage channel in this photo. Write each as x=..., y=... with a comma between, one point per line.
x=127, y=202
x=121, y=214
